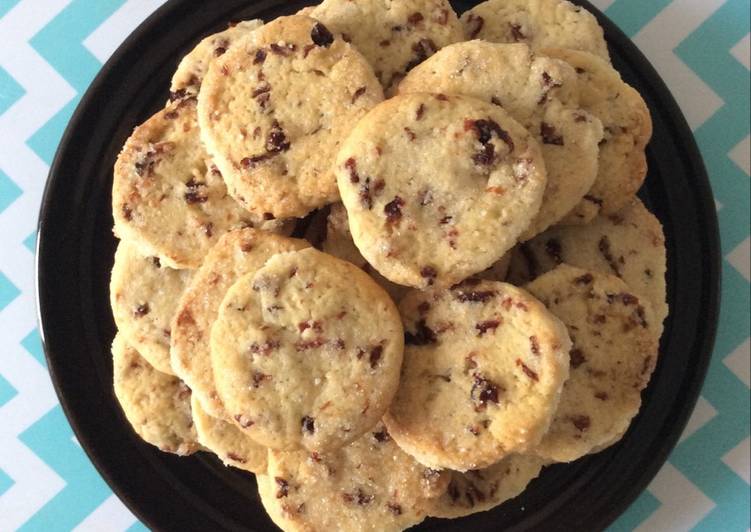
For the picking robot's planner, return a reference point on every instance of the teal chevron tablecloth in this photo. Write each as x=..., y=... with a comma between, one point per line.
x=50, y=51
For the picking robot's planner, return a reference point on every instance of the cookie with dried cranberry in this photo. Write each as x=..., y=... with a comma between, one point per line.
x=538, y=23
x=227, y=442
x=393, y=36
x=306, y=352
x=613, y=355
x=629, y=244
x=156, y=405
x=484, y=365
x=539, y=92
x=274, y=110
x=235, y=254
x=338, y=242
x=166, y=198
x=480, y=490
x=438, y=187
x=143, y=296
x=369, y=485
x=627, y=128
x=193, y=67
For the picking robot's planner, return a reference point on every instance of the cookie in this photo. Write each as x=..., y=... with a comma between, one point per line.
x=613, y=355
x=483, y=489
x=368, y=485
x=275, y=108
x=538, y=23
x=539, y=92
x=438, y=187
x=393, y=36
x=143, y=296
x=338, y=242
x=627, y=130
x=157, y=405
x=306, y=352
x=227, y=442
x=629, y=244
x=484, y=364
x=166, y=199
x=235, y=254
x=193, y=67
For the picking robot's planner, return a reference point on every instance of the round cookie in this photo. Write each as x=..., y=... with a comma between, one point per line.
x=338, y=242
x=539, y=92
x=157, y=405
x=369, y=485
x=484, y=364
x=629, y=244
x=193, y=67
x=438, y=187
x=237, y=253
x=483, y=489
x=227, y=442
x=539, y=23
x=627, y=129
x=613, y=355
x=143, y=296
x=393, y=36
x=275, y=108
x=306, y=352
x=164, y=196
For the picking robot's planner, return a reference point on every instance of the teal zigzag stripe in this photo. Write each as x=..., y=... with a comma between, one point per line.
x=60, y=43
x=51, y=439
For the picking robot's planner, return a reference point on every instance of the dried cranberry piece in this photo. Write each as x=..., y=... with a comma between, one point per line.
x=535, y=344
x=195, y=192
x=415, y=18
x=484, y=391
x=394, y=508
x=375, y=356
x=577, y=358
x=276, y=141
x=527, y=371
x=382, y=436
x=549, y=136
x=604, y=247
x=584, y=279
x=283, y=486
x=516, y=32
x=429, y=273
x=476, y=296
x=393, y=210
x=321, y=36
x=141, y=310
x=474, y=25
x=359, y=92
x=581, y=423
x=423, y=335
x=260, y=57
x=423, y=49
x=308, y=424
x=485, y=326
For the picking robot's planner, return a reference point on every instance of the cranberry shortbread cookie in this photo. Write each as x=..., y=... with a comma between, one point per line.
x=538, y=23
x=190, y=72
x=275, y=108
x=227, y=442
x=613, y=355
x=237, y=253
x=484, y=364
x=167, y=198
x=157, y=405
x=394, y=36
x=144, y=296
x=370, y=485
x=438, y=187
x=539, y=92
x=480, y=490
x=306, y=352
x=627, y=128
x=629, y=244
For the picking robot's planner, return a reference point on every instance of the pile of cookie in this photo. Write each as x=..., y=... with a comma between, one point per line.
x=473, y=290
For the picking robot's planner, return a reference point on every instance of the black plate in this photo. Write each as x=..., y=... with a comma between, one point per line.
x=75, y=253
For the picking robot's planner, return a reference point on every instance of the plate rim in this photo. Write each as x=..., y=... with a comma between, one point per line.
x=705, y=208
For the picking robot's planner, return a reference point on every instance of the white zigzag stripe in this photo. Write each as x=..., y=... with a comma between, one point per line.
x=659, y=38
x=742, y=51
x=739, y=362
x=737, y=459
x=104, y=40
x=111, y=515
x=683, y=505
x=701, y=415
x=602, y=5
